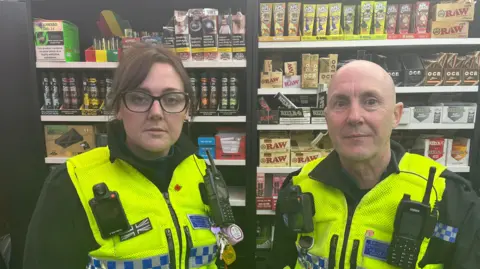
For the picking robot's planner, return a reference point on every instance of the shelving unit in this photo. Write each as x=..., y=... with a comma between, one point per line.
x=113, y=65
x=106, y=118
x=411, y=126
x=419, y=89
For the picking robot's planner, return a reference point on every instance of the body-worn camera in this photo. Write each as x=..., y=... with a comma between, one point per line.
x=297, y=209
x=217, y=196
x=108, y=211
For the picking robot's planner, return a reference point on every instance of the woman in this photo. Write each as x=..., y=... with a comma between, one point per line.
x=149, y=164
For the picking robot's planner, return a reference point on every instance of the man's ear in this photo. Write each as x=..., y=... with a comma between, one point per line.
x=397, y=114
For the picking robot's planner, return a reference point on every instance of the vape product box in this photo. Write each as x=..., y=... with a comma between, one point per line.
x=366, y=16
x=225, y=37
x=196, y=33
x=68, y=140
x=274, y=159
x=421, y=16
x=56, y=40
x=278, y=19
x=308, y=19
x=458, y=151
x=380, y=9
x=449, y=29
x=239, y=48
x=459, y=113
x=436, y=149
x=348, y=19
x=182, y=35
x=265, y=19
x=294, y=10
x=425, y=114
x=210, y=34
x=392, y=18
x=404, y=18
x=414, y=72
x=335, y=15
x=204, y=144
x=321, y=21
x=454, y=11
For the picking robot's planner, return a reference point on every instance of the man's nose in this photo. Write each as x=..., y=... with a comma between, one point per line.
x=355, y=115
x=156, y=110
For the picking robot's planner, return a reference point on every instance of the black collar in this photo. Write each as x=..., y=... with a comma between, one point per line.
x=330, y=171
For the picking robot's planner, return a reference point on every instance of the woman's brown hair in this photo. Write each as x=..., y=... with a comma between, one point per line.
x=134, y=67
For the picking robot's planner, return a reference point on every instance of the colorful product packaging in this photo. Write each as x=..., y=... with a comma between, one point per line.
x=392, y=18
x=308, y=19
x=265, y=19
x=348, y=19
x=421, y=17
x=380, y=14
x=294, y=10
x=335, y=11
x=321, y=20
x=366, y=17
x=404, y=18
x=278, y=18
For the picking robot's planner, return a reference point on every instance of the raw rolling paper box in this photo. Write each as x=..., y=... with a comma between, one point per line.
x=56, y=40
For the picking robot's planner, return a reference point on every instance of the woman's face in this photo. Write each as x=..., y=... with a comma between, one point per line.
x=154, y=131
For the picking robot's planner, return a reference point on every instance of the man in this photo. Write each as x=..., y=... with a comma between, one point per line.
x=357, y=189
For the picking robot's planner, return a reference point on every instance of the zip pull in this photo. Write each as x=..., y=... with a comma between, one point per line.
x=333, y=252
x=167, y=197
x=353, y=257
x=189, y=246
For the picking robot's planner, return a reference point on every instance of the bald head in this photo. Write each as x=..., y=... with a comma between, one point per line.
x=365, y=71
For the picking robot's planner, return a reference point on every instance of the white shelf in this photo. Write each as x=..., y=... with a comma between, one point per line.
x=265, y=212
x=219, y=119
x=59, y=160
x=370, y=43
x=277, y=170
x=55, y=160
x=237, y=196
x=423, y=126
x=459, y=169
x=105, y=118
x=421, y=89
x=112, y=65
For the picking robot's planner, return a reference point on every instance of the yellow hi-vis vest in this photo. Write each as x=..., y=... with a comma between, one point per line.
x=372, y=223
x=153, y=240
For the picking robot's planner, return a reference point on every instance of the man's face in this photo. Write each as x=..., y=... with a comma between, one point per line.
x=361, y=111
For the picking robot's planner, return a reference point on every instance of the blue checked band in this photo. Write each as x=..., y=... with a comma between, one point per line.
x=157, y=262
x=310, y=261
x=201, y=256
x=445, y=232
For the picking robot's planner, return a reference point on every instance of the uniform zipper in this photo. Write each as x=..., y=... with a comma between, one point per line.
x=351, y=210
x=333, y=251
x=177, y=225
x=171, y=248
x=353, y=257
x=189, y=246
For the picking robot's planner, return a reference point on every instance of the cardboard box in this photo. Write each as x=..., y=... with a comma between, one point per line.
x=392, y=18
x=301, y=158
x=379, y=17
x=260, y=185
x=436, y=149
x=449, y=29
x=413, y=70
x=300, y=141
x=269, y=145
x=274, y=159
x=404, y=18
x=321, y=20
x=278, y=18
x=308, y=19
x=230, y=146
x=348, y=19
x=425, y=114
x=335, y=16
x=56, y=40
x=366, y=16
x=454, y=12
x=294, y=10
x=459, y=113
x=68, y=140
x=421, y=16
x=458, y=151
x=265, y=19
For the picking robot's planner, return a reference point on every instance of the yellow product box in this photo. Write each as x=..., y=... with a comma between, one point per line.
x=321, y=20
x=301, y=158
x=274, y=159
x=294, y=10
x=265, y=19
x=366, y=16
x=458, y=150
x=268, y=144
x=335, y=15
x=454, y=12
x=379, y=17
x=449, y=29
x=348, y=19
x=308, y=19
x=278, y=18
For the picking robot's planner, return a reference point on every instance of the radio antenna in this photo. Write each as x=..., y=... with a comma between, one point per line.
x=428, y=190
x=212, y=164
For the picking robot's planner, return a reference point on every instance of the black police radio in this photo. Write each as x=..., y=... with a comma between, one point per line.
x=108, y=211
x=297, y=208
x=413, y=222
x=217, y=196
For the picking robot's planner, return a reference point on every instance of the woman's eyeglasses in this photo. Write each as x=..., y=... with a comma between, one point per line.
x=172, y=102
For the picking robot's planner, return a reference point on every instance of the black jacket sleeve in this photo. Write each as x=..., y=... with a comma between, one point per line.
x=59, y=235
x=284, y=251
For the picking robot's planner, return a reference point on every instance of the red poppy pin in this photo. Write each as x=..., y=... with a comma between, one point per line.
x=178, y=187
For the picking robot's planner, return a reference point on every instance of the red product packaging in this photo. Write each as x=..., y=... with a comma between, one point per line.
x=421, y=17
x=435, y=149
x=277, y=184
x=230, y=146
x=404, y=18
x=264, y=203
x=392, y=18
x=260, y=185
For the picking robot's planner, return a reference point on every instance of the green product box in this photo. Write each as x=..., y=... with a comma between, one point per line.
x=56, y=40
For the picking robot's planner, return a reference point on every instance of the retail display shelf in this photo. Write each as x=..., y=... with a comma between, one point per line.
x=413, y=126
x=370, y=43
x=420, y=89
x=112, y=65
x=287, y=170
x=265, y=212
x=59, y=160
x=237, y=196
x=106, y=118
